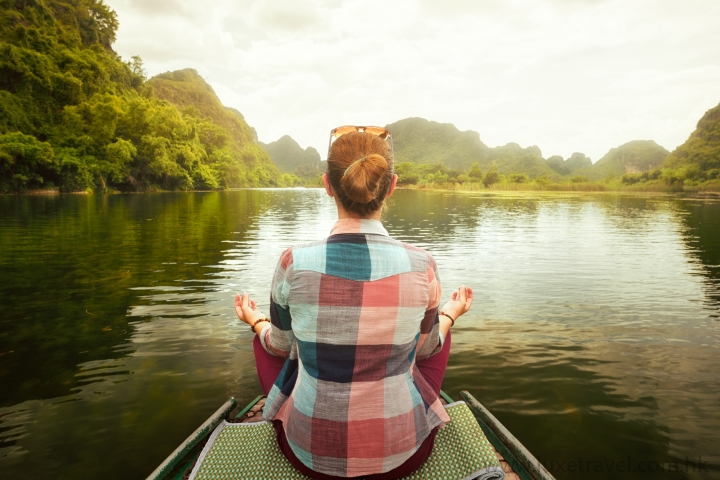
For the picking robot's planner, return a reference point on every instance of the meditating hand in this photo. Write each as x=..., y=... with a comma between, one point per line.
x=247, y=310
x=459, y=303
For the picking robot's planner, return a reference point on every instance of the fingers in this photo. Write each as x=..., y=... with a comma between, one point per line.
x=469, y=300
x=246, y=303
x=242, y=303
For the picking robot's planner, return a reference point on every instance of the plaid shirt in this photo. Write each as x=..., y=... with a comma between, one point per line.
x=352, y=313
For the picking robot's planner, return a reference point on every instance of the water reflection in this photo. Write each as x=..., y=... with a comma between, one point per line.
x=594, y=333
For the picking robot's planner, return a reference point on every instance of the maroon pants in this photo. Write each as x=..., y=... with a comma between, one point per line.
x=433, y=369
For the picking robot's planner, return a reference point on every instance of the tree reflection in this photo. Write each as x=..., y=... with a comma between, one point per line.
x=69, y=265
x=702, y=237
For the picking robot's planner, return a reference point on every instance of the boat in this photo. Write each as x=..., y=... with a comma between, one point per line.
x=515, y=459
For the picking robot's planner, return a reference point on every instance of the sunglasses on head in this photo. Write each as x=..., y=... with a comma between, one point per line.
x=338, y=132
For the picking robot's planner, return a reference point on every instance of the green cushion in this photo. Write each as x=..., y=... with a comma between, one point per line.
x=250, y=451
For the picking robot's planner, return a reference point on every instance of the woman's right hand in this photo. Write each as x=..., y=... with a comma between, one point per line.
x=459, y=303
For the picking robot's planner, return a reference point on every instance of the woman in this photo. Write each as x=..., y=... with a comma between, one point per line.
x=355, y=349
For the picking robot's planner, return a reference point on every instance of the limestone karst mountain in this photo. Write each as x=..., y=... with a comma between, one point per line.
x=289, y=157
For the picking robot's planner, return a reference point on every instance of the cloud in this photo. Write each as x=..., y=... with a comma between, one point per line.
x=564, y=75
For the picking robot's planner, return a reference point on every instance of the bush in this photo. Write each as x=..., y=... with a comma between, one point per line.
x=579, y=179
x=407, y=173
x=408, y=179
x=517, y=178
x=631, y=178
x=672, y=177
x=437, y=177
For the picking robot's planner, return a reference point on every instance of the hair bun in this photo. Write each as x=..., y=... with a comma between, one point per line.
x=361, y=182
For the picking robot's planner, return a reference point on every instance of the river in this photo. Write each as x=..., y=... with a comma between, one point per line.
x=594, y=337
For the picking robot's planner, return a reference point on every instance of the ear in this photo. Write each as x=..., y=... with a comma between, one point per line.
x=393, y=184
x=328, y=187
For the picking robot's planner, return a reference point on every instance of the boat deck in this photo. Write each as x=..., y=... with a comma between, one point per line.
x=255, y=415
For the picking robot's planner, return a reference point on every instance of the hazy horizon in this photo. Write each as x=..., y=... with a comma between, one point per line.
x=583, y=76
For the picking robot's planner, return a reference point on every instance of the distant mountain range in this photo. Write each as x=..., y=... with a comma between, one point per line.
x=422, y=141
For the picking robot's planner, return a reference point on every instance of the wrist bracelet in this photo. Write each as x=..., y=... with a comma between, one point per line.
x=448, y=316
x=260, y=320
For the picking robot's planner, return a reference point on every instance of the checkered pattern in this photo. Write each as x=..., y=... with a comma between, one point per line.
x=352, y=313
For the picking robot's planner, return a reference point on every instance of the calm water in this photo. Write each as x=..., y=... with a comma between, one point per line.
x=595, y=336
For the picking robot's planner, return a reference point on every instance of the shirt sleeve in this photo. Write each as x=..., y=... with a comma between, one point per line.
x=431, y=341
x=278, y=337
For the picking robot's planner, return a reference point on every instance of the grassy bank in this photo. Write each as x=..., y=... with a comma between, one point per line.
x=544, y=186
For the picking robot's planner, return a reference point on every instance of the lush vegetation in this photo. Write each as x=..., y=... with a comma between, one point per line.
x=74, y=116
x=698, y=159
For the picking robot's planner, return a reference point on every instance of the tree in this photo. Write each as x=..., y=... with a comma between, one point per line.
x=137, y=67
x=407, y=173
x=475, y=172
x=492, y=176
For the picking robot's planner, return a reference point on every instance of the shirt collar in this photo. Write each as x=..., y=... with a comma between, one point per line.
x=358, y=225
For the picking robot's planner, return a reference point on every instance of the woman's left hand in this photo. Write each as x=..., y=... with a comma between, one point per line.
x=246, y=309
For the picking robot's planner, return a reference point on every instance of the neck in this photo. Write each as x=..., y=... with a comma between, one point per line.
x=343, y=214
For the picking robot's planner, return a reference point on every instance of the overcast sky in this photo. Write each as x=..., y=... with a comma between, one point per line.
x=565, y=75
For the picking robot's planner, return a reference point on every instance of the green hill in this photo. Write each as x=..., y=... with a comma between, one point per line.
x=290, y=157
x=700, y=154
x=186, y=88
x=188, y=91
x=512, y=158
x=422, y=141
x=636, y=156
x=75, y=116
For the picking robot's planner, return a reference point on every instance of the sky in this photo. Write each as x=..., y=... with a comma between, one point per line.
x=565, y=75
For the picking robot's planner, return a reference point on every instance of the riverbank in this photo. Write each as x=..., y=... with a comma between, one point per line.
x=539, y=186
x=710, y=188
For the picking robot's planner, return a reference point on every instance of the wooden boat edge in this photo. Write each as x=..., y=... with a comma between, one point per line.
x=524, y=463
x=179, y=454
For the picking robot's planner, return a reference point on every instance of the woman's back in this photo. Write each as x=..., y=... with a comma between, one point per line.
x=353, y=356
x=355, y=309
